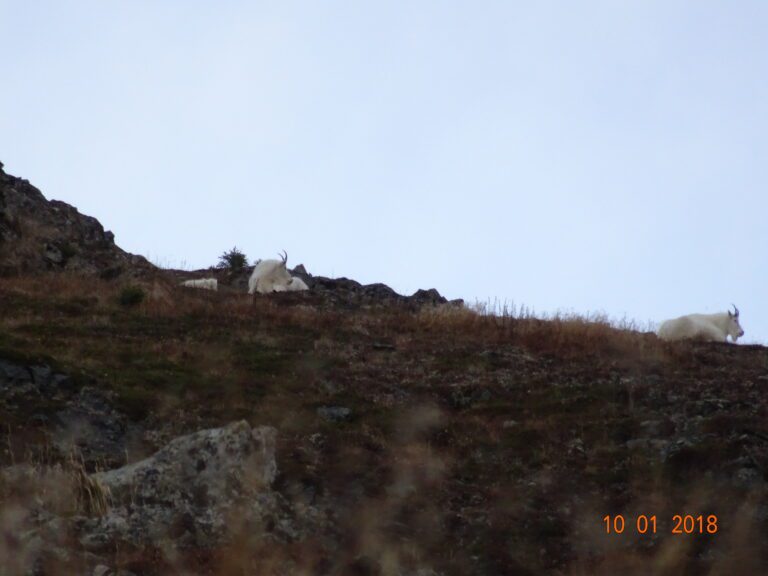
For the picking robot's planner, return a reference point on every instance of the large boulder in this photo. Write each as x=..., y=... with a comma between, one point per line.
x=198, y=491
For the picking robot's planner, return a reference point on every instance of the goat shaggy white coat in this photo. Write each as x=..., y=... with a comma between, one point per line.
x=204, y=283
x=705, y=327
x=273, y=276
x=297, y=285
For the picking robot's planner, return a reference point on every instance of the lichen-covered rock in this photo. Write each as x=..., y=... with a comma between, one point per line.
x=197, y=491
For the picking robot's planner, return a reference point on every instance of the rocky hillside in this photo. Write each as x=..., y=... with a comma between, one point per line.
x=38, y=235
x=152, y=429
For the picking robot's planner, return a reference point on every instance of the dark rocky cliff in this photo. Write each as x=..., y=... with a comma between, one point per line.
x=37, y=234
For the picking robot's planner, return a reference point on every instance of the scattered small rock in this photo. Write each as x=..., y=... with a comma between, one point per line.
x=102, y=570
x=334, y=413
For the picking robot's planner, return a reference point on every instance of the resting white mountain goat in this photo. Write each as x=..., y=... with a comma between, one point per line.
x=272, y=276
x=297, y=285
x=204, y=283
x=707, y=327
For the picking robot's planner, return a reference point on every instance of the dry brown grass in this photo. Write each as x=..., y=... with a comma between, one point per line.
x=93, y=499
x=560, y=334
x=35, y=491
x=565, y=335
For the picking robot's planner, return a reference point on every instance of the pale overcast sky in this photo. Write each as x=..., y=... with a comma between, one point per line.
x=586, y=156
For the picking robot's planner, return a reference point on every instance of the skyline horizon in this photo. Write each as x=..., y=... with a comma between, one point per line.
x=492, y=306
x=600, y=157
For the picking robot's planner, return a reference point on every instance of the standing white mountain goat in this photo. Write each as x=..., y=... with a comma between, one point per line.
x=707, y=327
x=273, y=276
x=204, y=283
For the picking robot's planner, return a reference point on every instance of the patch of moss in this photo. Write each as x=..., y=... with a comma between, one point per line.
x=11, y=349
x=136, y=402
x=68, y=250
x=143, y=369
x=131, y=296
x=76, y=306
x=259, y=359
x=460, y=360
x=13, y=303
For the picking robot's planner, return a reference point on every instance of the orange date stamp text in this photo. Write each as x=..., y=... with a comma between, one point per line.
x=681, y=524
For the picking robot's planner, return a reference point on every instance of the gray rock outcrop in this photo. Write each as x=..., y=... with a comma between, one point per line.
x=343, y=292
x=197, y=491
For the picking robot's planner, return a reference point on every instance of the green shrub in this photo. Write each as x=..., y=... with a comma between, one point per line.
x=68, y=250
x=234, y=260
x=132, y=295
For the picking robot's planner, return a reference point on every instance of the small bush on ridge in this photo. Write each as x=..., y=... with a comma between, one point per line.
x=234, y=260
x=132, y=296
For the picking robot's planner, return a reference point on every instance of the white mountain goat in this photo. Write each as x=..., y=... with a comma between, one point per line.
x=204, y=283
x=707, y=327
x=272, y=276
x=297, y=285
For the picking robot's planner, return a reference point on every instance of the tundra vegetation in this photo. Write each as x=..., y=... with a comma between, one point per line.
x=438, y=440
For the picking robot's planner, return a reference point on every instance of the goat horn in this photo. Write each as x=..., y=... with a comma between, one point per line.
x=736, y=310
